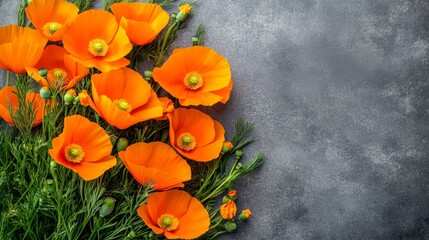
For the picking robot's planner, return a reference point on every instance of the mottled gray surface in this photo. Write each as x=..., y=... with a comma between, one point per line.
x=338, y=91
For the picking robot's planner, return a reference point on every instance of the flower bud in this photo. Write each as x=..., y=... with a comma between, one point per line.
x=230, y=226
x=227, y=146
x=185, y=9
x=53, y=165
x=173, y=16
x=148, y=74
x=43, y=72
x=232, y=194
x=83, y=98
x=69, y=96
x=228, y=210
x=122, y=144
x=195, y=41
x=76, y=100
x=107, y=207
x=45, y=92
x=239, y=153
x=225, y=199
x=245, y=214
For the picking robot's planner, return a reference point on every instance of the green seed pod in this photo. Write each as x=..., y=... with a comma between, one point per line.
x=239, y=153
x=107, y=207
x=68, y=98
x=43, y=71
x=148, y=74
x=45, y=93
x=230, y=226
x=122, y=144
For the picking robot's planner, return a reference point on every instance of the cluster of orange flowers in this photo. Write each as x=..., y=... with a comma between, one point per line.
x=122, y=97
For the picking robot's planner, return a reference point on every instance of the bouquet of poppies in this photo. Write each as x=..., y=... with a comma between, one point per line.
x=102, y=136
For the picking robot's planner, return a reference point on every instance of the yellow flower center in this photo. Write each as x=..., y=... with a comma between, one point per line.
x=185, y=8
x=59, y=74
x=186, y=141
x=74, y=153
x=51, y=27
x=98, y=47
x=193, y=80
x=168, y=222
x=123, y=105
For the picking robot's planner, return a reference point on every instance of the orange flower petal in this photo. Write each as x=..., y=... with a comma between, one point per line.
x=142, y=21
x=119, y=46
x=198, y=216
x=158, y=162
x=191, y=121
x=143, y=212
x=92, y=170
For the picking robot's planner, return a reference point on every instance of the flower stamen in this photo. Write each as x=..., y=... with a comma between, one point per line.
x=193, y=80
x=59, y=74
x=98, y=47
x=51, y=28
x=186, y=141
x=168, y=222
x=123, y=105
x=74, y=153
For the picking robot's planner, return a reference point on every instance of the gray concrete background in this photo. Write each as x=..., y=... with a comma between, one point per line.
x=338, y=92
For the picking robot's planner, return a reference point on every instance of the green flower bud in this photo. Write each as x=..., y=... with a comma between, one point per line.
x=195, y=41
x=225, y=199
x=245, y=214
x=43, y=71
x=68, y=98
x=76, y=100
x=107, y=207
x=122, y=144
x=239, y=153
x=181, y=17
x=45, y=92
x=53, y=164
x=230, y=226
x=173, y=16
x=148, y=74
x=131, y=235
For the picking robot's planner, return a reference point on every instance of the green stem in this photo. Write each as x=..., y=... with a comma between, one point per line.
x=160, y=58
x=214, y=192
x=7, y=77
x=214, y=226
x=218, y=233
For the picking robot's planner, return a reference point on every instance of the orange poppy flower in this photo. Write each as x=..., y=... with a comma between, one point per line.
x=51, y=17
x=95, y=39
x=83, y=147
x=196, y=76
x=167, y=107
x=142, y=21
x=20, y=47
x=8, y=96
x=63, y=71
x=158, y=162
x=176, y=214
x=195, y=134
x=123, y=98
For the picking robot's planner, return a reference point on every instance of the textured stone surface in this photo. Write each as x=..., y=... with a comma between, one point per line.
x=339, y=94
